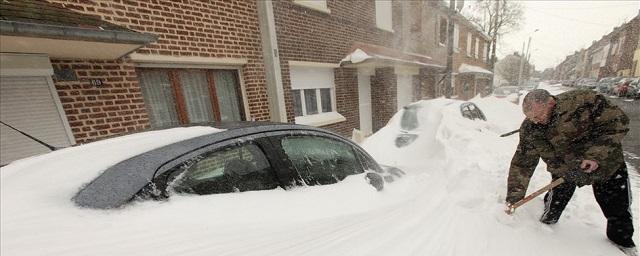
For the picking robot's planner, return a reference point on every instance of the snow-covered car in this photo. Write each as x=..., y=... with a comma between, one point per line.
x=414, y=118
x=510, y=93
x=77, y=190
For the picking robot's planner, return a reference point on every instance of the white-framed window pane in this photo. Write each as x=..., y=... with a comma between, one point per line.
x=196, y=95
x=311, y=101
x=456, y=37
x=484, y=50
x=318, y=4
x=297, y=103
x=469, y=44
x=325, y=98
x=477, y=48
x=226, y=83
x=158, y=98
x=383, y=15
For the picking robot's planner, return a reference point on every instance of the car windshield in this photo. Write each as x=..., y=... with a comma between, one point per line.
x=409, y=120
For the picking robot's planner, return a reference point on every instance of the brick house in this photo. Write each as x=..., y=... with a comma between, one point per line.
x=339, y=57
x=122, y=66
x=470, y=64
x=611, y=55
x=623, y=43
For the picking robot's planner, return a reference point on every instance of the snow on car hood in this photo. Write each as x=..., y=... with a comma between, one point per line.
x=36, y=207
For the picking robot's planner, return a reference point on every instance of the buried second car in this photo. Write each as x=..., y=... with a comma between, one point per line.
x=416, y=117
x=69, y=188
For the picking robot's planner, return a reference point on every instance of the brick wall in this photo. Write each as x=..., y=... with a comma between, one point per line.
x=383, y=96
x=99, y=111
x=305, y=34
x=221, y=29
x=346, y=92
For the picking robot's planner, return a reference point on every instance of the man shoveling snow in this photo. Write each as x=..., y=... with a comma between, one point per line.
x=578, y=135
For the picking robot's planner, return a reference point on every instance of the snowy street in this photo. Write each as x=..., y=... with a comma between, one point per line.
x=451, y=202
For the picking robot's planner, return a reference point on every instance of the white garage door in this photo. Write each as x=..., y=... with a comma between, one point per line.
x=28, y=104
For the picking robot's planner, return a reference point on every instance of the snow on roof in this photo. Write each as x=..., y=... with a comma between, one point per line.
x=466, y=68
x=361, y=52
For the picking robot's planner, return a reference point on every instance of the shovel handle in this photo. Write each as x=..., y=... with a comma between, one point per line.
x=533, y=195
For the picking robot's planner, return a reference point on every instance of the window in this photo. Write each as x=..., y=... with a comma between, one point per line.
x=484, y=51
x=232, y=169
x=319, y=160
x=312, y=90
x=183, y=96
x=319, y=5
x=456, y=38
x=443, y=31
x=384, y=12
x=477, y=48
x=469, y=38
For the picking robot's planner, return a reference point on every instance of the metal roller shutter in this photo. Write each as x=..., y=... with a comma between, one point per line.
x=27, y=103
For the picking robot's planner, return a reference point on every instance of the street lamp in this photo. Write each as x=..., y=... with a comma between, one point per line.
x=524, y=56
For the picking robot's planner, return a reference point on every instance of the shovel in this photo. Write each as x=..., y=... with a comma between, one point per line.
x=555, y=183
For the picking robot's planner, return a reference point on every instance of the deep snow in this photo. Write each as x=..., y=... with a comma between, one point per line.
x=450, y=203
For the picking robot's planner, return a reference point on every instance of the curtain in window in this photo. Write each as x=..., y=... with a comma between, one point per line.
x=227, y=95
x=196, y=95
x=158, y=98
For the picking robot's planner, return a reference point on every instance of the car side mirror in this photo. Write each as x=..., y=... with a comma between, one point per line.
x=375, y=180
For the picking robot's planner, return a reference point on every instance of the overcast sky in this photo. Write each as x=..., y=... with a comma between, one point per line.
x=564, y=27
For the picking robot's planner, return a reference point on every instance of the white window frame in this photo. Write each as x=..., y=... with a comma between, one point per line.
x=321, y=118
x=484, y=51
x=384, y=15
x=469, y=40
x=456, y=38
x=318, y=5
x=477, y=48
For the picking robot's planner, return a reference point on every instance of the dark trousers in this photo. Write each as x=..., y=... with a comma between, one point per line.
x=614, y=198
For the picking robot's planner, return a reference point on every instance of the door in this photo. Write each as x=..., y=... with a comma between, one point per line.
x=364, y=99
x=405, y=90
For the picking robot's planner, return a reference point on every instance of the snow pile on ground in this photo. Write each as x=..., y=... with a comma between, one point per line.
x=449, y=203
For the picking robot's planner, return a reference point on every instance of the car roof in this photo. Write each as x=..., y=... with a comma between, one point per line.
x=117, y=183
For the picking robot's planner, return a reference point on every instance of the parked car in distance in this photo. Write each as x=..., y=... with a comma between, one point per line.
x=605, y=84
x=510, y=93
x=634, y=89
x=586, y=83
x=620, y=88
x=623, y=88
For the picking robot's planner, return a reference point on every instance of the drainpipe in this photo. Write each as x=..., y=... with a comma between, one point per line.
x=275, y=90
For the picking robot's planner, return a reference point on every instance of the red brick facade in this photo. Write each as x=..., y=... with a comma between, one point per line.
x=306, y=34
x=98, y=111
x=215, y=29
x=230, y=29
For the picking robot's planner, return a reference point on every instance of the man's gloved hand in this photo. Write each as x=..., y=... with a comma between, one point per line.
x=577, y=177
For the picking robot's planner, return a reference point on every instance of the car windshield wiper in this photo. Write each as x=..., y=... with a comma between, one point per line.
x=52, y=148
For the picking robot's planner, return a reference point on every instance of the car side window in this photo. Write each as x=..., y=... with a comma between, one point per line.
x=320, y=160
x=231, y=169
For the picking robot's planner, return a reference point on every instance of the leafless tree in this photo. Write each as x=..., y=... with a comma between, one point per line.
x=509, y=67
x=496, y=18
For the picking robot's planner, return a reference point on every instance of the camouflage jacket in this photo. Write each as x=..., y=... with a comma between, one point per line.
x=583, y=125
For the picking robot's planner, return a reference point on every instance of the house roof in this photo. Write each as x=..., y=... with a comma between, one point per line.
x=42, y=12
x=36, y=19
x=366, y=53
